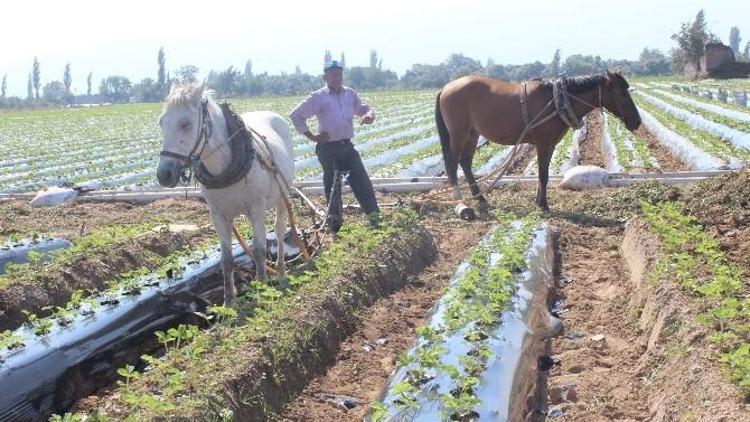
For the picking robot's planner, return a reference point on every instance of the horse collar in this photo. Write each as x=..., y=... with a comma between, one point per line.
x=240, y=142
x=561, y=100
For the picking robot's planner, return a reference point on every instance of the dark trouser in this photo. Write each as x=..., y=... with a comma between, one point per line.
x=341, y=155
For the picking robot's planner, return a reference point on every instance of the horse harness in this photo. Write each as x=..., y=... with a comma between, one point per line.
x=562, y=107
x=560, y=103
x=240, y=144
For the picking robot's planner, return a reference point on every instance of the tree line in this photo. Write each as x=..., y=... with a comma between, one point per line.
x=690, y=40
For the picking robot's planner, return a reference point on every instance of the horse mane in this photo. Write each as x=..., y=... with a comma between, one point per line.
x=186, y=94
x=579, y=84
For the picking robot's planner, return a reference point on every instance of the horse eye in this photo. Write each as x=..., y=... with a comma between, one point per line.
x=185, y=125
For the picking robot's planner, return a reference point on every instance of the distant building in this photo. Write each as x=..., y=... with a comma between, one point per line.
x=715, y=55
x=718, y=61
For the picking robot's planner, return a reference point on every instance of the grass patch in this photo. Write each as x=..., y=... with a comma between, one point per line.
x=695, y=261
x=101, y=239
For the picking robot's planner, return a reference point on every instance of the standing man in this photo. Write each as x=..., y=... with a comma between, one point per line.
x=335, y=105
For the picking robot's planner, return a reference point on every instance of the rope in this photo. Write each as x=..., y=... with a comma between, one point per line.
x=265, y=155
x=249, y=251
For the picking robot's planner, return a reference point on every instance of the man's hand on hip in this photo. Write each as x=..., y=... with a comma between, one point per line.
x=321, y=137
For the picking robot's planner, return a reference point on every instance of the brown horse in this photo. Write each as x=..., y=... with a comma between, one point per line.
x=501, y=111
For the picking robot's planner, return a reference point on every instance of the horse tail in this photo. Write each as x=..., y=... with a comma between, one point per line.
x=445, y=140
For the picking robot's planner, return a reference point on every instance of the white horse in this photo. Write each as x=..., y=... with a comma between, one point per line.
x=194, y=131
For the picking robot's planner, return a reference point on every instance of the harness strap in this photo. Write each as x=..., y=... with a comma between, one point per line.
x=562, y=104
x=586, y=103
x=241, y=151
x=205, y=132
x=524, y=110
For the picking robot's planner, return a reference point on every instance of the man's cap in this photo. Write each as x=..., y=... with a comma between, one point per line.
x=333, y=65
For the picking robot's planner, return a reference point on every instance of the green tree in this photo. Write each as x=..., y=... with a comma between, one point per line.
x=677, y=60
x=30, y=88
x=578, y=64
x=734, y=40
x=116, y=89
x=746, y=53
x=88, y=83
x=37, y=77
x=248, y=69
x=692, y=38
x=525, y=71
x=553, y=70
x=54, y=92
x=425, y=76
x=327, y=58
x=652, y=62
x=161, y=79
x=459, y=65
x=370, y=78
x=489, y=65
x=227, y=82
x=497, y=71
x=147, y=91
x=187, y=74
x=373, y=59
x=68, y=81
x=4, y=87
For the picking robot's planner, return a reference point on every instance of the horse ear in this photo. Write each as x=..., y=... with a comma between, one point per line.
x=198, y=93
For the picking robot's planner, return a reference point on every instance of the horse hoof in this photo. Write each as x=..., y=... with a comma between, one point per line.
x=484, y=209
x=230, y=296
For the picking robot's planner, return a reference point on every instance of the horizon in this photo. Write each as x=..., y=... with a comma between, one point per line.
x=129, y=45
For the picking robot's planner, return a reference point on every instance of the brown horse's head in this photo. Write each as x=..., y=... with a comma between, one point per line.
x=616, y=99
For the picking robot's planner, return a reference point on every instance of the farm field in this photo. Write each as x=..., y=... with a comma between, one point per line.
x=625, y=303
x=627, y=327
x=116, y=147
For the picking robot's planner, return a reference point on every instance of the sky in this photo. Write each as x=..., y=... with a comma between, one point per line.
x=123, y=38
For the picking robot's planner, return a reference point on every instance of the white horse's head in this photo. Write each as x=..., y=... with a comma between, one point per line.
x=180, y=124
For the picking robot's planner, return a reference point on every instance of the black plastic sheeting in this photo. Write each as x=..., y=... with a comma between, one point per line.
x=19, y=253
x=511, y=388
x=52, y=371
